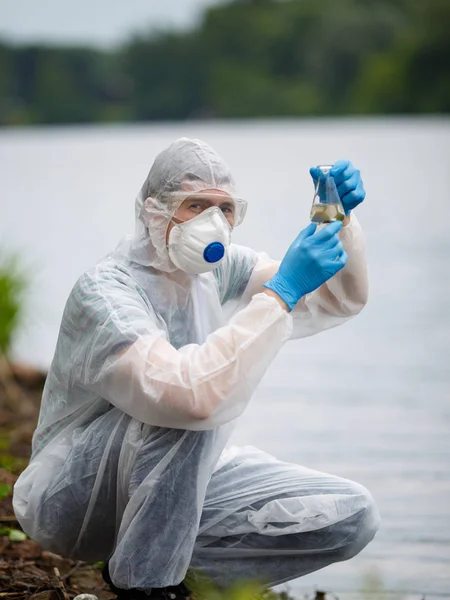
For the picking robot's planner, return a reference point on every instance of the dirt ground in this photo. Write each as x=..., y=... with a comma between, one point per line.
x=26, y=570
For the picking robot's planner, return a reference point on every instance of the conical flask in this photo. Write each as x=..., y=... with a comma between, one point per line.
x=326, y=206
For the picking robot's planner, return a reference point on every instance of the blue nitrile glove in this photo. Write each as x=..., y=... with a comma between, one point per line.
x=348, y=182
x=311, y=260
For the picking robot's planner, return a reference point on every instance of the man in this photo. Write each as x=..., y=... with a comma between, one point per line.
x=129, y=461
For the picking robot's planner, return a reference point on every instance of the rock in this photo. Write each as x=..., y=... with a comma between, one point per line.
x=87, y=578
x=85, y=597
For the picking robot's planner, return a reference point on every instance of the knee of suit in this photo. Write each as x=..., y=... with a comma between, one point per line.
x=363, y=526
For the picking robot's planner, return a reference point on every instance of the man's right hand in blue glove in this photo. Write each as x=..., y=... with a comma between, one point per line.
x=313, y=258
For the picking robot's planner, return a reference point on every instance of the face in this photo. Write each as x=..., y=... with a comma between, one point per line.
x=195, y=204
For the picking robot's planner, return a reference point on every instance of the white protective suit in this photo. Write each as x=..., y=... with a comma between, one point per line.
x=129, y=458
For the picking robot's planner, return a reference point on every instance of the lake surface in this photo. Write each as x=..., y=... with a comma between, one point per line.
x=369, y=400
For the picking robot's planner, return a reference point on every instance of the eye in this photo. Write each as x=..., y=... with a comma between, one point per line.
x=196, y=206
x=227, y=210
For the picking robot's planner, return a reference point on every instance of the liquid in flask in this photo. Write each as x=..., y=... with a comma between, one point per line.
x=326, y=206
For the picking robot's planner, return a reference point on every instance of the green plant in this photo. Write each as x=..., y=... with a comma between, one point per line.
x=14, y=535
x=13, y=464
x=12, y=288
x=373, y=587
x=5, y=490
x=205, y=589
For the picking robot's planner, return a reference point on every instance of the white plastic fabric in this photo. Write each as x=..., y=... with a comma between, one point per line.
x=149, y=374
x=184, y=168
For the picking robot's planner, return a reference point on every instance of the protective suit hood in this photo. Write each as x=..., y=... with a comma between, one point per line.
x=185, y=167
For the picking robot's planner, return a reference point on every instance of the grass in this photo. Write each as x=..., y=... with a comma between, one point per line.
x=204, y=589
x=13, y=284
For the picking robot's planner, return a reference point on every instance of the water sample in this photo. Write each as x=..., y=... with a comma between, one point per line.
x=326, y=206
x=326, y=213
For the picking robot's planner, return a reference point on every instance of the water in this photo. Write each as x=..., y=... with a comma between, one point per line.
x=326, y=213
x=381, y=414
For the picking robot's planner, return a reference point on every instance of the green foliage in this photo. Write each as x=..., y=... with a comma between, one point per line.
x=246, y=58
x=5, y=490
x=14, y=535
x=13, y=464
x=373, y=588
x=411, y=76
x=166, y=74
x=8, y=461
x=205, y=589
x=12, y=287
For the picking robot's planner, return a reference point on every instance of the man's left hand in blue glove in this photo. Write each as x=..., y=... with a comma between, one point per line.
x=348, y=182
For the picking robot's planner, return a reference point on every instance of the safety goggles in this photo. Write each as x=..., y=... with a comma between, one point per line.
x=234, y=209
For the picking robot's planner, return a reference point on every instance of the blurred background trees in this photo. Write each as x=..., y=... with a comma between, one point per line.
x=247, y=58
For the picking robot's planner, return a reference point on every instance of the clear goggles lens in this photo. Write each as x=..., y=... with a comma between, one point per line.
x=234, y=209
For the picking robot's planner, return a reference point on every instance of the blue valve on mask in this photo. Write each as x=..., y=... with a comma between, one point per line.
x=214, y=252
